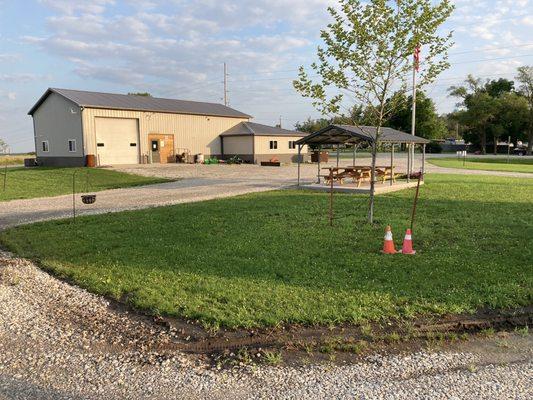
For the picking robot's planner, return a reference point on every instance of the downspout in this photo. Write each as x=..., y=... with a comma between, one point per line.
x=253, y=150
x=34, y=137
x=83, y=149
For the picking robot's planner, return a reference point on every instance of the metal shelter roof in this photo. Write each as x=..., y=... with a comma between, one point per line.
x=349, y=134
x=140, y=103
x=254, y=129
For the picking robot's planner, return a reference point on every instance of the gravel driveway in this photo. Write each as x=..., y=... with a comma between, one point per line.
x=197, y=183
x=60, y=342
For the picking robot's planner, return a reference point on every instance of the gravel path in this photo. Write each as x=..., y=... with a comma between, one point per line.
x=198, y=182
x=60, y=342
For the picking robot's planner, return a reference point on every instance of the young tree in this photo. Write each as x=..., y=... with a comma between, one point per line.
x=525, y=77
x=368, y=55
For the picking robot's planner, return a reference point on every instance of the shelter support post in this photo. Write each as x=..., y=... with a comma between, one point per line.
x=337, y=155
x=318, y=173
x=408, y=162
x=391, y=163
x=299, y=161
x=354, y=154
x=423, y=159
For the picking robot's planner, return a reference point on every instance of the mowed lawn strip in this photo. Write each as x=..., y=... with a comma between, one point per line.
x=487, y=164
x=270, y=258
x=27, y=183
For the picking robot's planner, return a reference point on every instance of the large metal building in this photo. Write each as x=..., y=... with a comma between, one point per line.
x=74, y=128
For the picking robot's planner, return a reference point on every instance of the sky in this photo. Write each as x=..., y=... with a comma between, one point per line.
x=176, y=49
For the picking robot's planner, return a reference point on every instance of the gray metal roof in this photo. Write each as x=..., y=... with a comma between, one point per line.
x=345, y=134
x=254, y=129
x=140, y=103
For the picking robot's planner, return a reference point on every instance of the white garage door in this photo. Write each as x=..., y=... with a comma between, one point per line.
x=117, y=141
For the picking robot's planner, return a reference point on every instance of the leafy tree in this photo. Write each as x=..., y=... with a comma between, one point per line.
x=525, y=77
x=367, y=56
x=3, y=146
x=489, y=108
x=511, y=118
x=496, y=88
x=428, y=122
x=357, y=113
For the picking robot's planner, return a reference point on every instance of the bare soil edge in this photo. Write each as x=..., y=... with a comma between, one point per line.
x=344, y=343
x=301, y=344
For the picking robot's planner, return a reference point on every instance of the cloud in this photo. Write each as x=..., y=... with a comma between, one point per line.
x=70, y=7
x=20, y=77
x=7, y=57
x=527, y=21
x=179, y=41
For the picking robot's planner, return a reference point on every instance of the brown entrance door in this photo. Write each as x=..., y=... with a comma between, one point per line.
x=161, y=148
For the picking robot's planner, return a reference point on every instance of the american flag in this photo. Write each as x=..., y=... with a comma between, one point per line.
x=417, y=57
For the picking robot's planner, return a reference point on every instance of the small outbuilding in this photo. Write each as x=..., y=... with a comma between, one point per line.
x=258, y=143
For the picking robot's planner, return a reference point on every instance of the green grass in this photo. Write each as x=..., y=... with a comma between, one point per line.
x=270, y=258
x=26, y=183
x=487, y=164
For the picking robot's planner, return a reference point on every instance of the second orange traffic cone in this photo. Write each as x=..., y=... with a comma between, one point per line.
x=407, y=247
x=388, y=244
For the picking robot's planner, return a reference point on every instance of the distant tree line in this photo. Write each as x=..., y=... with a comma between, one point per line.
x=489, y=111
x=428, y=123
x=495, y=109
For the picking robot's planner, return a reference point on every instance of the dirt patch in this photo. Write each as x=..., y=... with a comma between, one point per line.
x=341, y=343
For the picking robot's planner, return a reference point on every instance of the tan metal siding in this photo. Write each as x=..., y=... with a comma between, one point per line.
x=262, y=145
x=199, y=134
x=58, y=120
x=239, y=145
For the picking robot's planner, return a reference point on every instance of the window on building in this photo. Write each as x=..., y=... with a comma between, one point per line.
x=273, y=144
x=46, y=146
x=292, y=144
x=72, y=145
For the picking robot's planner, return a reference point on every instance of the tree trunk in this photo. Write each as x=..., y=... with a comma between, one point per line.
x=483, y=142
x=495, y=145
x=372, y=182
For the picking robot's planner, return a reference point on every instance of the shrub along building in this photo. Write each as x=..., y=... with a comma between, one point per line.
x=76, y=128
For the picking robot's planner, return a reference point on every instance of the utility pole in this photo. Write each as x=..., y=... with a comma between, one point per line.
x=225, y=84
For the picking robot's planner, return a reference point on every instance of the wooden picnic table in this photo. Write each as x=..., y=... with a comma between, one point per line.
x=359, y=173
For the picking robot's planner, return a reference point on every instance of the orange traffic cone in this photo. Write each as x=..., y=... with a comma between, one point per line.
x=407, y=247
x=388, y=244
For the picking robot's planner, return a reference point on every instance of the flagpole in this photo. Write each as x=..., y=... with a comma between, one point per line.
x=413, y=117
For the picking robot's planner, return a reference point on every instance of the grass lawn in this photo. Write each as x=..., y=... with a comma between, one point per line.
x=270, y=258
x=487, y=164
x=26, y=183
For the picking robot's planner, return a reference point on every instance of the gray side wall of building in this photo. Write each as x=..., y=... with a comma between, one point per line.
x=61, y=161
x=57, y=121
